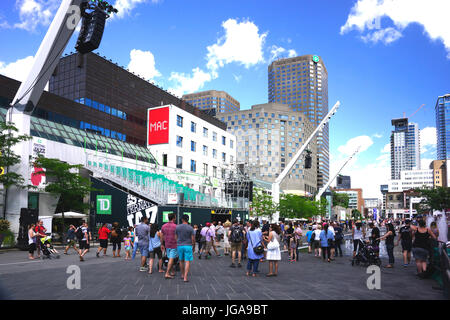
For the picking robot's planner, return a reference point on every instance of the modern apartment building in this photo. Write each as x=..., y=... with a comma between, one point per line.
x=302, y=84
x=212, y=101
x=384, y=189
x=268, y=136
x=405, y=147
x=440, y=174
x=343, y=182
x=443, y=127
x=411, y=179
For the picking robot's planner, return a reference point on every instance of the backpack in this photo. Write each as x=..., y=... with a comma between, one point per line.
x=79, y=233
x=236, y=235
x=313, y=236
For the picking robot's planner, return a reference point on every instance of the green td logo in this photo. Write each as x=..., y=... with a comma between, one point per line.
x=103, y=204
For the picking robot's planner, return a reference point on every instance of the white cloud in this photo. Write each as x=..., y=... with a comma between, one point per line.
x=425, y=163
x=377, y=135
x=242, y=43
x=364, y=142
x=189, y=83
x=126, y=6
x=238, y=78
x=143, y=63
x=33, y=13
x=428, y=139
x=366, y=15
x=18, y=69
x=386, y=148
x=387, y=36
x=280, y=52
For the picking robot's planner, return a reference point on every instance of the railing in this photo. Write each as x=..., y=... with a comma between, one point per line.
x=156, y=187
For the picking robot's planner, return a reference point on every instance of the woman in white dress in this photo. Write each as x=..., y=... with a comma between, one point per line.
x=273, y=249
x=226, y=242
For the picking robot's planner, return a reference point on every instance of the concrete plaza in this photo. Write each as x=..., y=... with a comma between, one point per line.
x=114, y=278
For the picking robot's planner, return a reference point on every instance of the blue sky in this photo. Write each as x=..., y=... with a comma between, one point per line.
x=383, y=58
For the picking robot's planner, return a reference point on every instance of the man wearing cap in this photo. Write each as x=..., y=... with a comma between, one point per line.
x=405, y=237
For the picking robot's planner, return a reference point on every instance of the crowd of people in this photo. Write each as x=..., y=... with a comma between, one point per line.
x=175, y=245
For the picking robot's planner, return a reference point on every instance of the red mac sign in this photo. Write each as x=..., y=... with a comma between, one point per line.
x=158, y=126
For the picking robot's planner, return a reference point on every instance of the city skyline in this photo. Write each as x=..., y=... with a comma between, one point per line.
x=372, y=68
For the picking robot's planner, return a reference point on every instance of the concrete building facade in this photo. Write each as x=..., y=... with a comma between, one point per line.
x=213, y=102
x=410, y=179
x=442, y=110
x=440, y=174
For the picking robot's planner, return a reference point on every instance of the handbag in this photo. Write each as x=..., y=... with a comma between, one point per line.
x=258, y=249
x=273, y=245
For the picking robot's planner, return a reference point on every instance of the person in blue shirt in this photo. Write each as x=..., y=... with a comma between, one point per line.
x=254, y=238
x=308, y=238
x=325, y=238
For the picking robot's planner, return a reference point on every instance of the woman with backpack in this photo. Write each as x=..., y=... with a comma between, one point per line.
x=154, y=248
x=116, y=239
x=326, y=240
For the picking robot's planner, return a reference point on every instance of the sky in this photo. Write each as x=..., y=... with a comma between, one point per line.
x=384, y=58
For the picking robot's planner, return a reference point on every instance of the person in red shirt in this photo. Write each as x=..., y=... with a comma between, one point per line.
x=40, y=230
x=103, y=234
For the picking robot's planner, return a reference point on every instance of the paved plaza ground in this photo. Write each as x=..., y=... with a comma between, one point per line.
x=114, y=278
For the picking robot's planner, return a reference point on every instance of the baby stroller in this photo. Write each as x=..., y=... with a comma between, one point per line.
x=47, y=248
x=366, y=255
x=165, y=260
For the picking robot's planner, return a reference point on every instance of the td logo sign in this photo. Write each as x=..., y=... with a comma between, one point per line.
x=104, y=204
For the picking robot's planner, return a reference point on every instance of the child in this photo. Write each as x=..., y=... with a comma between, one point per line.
x=128, y=245
x=293, y=248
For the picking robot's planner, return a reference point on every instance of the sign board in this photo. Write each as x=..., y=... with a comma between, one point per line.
x=172, y=198
x=2, y=171
x=104, y=204
x=157, y=126
x=39, y=147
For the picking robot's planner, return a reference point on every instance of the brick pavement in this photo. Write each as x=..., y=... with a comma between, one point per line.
x=116, y=279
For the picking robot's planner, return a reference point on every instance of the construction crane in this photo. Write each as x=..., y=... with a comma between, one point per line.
x=404, y=114
x=283, y=174
x=325, y=187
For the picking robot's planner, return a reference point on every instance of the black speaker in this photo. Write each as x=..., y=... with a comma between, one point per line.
x=27, y=217
x=91, y=31
x=308, y=161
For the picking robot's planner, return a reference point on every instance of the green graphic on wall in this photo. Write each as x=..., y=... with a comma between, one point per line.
x=104, y=204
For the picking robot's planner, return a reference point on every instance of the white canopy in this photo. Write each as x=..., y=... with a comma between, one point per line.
x=70, y=214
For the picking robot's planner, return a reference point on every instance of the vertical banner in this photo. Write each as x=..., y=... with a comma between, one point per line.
x=157, y=126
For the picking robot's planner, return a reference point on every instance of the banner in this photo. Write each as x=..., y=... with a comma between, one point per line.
x=158, y=126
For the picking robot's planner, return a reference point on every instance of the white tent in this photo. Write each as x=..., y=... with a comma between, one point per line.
x=70, y=214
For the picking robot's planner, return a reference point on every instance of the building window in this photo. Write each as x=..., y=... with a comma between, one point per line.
x=193, y=146
x=179, y=162
x=224, y=156
x=193, y=127
x=179, y=141
x=214, y=153
x=180, y=121
x=223, y=140
x=214, y=136
x=193, y=166
x=205, y=132
x=231, y=144
x=215, y=172
x=205, y=169
x=205, y=150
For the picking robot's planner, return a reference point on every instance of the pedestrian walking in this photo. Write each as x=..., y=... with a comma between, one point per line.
x=326, y=241
x=389, y=237
x=219, y=232
x=435, y=230
x=154, y=249
x=142, y=235
x=246, y=228
x=116, y=239
x=315, y=238
x=421, y=246
x=185, y=237
x=338, y=237
x=298, y=233
x=103, y=234
x=236, y=236
x=170, y=244
x=213, y=235
x=199, y=239
x=255, y=242
x=358, y=233
x=40, y=231
x=273, y=250
x=128, y=246
x=84, y=242
x=308, y=239
x=31, y=241
x=226, y=239
x=71, y=239
x=405, y=238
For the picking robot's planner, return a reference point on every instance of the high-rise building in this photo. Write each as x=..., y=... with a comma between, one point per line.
x=302, y=84
x=268, y=136
x=440, y=175
x=384, y=188
x=405, y=147
x=213, y=102
x=411, y=179
x=443, y=127
x=343, y=182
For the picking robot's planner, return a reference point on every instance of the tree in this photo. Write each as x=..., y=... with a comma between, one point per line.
x=434, y=198
x=262, y=204
x=8, y=139
x=340, y=199
x=63, y=179
x=356, y=214
x=297, y=207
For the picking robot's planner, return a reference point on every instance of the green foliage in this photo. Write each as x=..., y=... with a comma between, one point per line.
x=63, y=179
x=8, y=240
x=340, y=199
x=434, y=198
x=4, y=225
x=262, y=204
x=356, y=215
x=297, y=207
x=8, y=139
